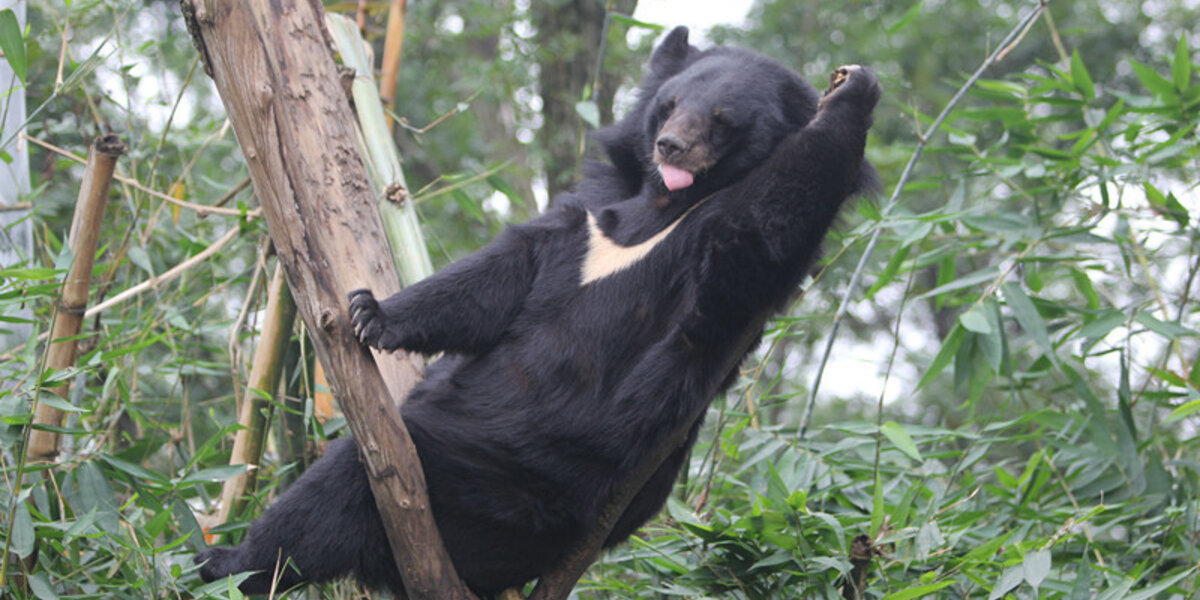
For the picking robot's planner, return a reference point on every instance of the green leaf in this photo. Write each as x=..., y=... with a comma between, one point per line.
x=1186, y=410
x=136, y=471
x=39, y=584
x=1083, y=579
x=1102, y=325
x=627, y=20
x=1036, y=566
x=1152, y=81
x=949, y=348
x=1012, y=577
x=1181, y=66
x=1079, y=75
x=1171, y=331
x=878, y=508
x=13, y=43
x=1027, y=315
x=22, y=537
x=906, y=18
x=468, y=205
x=889, y=272
x=1160, y=586
x=1166, y=205
x=898, y=436
x=920, y=590
x=1083, y=283
x=501, y=185
x=589, y=112
x=976, y=320
x=213, y=474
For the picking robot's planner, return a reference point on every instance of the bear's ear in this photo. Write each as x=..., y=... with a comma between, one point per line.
x=672, y=53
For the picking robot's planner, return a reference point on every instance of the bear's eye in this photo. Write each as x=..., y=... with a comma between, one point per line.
x=665, y=108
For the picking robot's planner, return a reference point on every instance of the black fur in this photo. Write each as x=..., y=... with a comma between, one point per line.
x=552, y=389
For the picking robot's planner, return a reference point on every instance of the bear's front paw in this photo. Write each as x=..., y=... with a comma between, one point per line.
x=854, y=82
x=366, y=317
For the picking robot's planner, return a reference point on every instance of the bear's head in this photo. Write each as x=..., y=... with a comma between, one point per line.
x=720, y=115
x=704, y=119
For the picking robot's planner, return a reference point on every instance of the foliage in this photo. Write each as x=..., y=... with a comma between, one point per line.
x=1013, y=414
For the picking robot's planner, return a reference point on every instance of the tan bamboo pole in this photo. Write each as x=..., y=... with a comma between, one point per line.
x=68, y=319
x=272, y=68
x=393, y=46
x=265, y=372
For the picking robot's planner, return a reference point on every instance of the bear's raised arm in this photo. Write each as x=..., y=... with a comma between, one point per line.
x=787, y=204
x=464, y=308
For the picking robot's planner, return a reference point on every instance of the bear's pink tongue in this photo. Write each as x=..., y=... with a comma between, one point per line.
x=674, y=177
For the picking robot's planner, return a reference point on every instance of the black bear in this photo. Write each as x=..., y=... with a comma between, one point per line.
x=576, y=342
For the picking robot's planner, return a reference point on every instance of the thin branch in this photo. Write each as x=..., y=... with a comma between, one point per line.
x=199, y=208
x=893, y=200
x=158, y=280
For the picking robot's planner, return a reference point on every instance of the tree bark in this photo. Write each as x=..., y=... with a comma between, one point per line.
x=273, y=69
x=569, y=37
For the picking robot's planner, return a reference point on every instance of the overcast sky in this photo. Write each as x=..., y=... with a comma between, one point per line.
x=698, y=16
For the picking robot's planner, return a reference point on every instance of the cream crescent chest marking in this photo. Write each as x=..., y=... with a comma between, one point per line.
x=605, y=257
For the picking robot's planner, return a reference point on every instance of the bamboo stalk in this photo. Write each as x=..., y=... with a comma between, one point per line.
x=68, y=318
x=383, y=161
x=264, y=379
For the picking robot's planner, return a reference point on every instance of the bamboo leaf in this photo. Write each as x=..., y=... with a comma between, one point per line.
x=1027, y=315
x=1036, y=567
x=906, y=18
x=920, y=590
x=627, y=20
x=949, y=348
x=889, y=272
x=1171, y=331
x=1079, y=75
x=1186, y=410
x=1152, y=81
x=900, y=438
x=12, y=42
x=1181, y=66
x=589, y=112
x=1012, y=577
x=39, y=584
x=22, y=530
x=975, y=319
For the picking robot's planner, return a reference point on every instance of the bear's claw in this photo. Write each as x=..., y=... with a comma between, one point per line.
x=365, y=316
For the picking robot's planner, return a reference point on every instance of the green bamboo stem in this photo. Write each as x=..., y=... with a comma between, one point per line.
x=383, y=161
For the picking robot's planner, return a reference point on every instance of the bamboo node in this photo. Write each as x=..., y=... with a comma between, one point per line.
x=65, y=308
x=397, y=194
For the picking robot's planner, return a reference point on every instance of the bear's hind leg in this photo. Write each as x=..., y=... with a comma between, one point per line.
x=324, y=527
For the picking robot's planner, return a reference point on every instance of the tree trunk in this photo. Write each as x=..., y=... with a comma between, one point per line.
x=272, y=67
x=569, y=38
